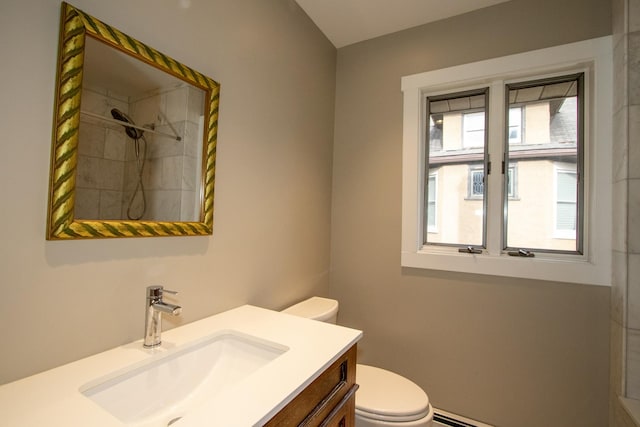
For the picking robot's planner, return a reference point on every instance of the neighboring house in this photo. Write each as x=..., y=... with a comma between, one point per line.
x=541, y=183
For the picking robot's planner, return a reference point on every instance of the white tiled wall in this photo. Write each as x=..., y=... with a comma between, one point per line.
x=625, y=308
x=101, y=155
x=633, y=271
x=107, y=173
x=171, y=172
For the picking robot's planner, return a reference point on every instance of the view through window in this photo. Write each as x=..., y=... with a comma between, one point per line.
x=546, y=214
x=543, y=144
x=457, y=152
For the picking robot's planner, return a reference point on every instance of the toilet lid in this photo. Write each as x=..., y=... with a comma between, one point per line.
x=384, y=395
x=316, y=308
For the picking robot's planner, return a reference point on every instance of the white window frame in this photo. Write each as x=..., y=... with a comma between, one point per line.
x=594, y=58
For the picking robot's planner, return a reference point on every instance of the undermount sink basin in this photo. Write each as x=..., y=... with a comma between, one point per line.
x=162, y=389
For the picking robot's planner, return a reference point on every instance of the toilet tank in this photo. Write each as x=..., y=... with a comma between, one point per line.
x=316, y=308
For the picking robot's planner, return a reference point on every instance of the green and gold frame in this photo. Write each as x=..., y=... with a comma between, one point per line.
x=75, y=29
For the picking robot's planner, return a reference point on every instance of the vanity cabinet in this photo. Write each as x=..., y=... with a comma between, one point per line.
x=329, y=401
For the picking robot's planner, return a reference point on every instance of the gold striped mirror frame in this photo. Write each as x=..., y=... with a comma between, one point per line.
x=75, y=26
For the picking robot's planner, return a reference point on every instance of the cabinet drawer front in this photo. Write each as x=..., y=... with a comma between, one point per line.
x=316, y=402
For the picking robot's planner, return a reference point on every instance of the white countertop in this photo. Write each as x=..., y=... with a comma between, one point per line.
x=52, y=398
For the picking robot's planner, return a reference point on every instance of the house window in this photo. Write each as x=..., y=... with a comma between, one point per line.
x=515, y=125
x=431, y=203
x=523, y=161
x=476, y=182
x=473, y=129
x=512, y=180
x=566, y=204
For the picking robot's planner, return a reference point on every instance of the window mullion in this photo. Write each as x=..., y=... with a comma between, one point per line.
x=494, y=191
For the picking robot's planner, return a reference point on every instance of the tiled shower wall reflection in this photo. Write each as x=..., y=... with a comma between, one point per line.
x=633, y=202
x=625, y=308
x=108, y=166
x=101, y=158
x=172, y=170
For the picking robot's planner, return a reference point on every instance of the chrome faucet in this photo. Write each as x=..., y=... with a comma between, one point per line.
x=153, y=314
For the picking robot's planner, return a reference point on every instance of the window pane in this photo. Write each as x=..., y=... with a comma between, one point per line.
x=544, y=215
x=456, y=150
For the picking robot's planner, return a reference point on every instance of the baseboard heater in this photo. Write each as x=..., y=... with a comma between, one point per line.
x=451, y=420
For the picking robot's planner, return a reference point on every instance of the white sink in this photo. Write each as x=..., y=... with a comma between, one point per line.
x=163, y=388
x=235, y=368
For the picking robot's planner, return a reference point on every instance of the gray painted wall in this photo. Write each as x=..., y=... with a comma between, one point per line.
x=270, y=247
x=509, y=352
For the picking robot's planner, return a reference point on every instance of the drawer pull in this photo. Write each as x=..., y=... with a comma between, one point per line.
x=337, y=408
x=322, y=405
x=328, y=398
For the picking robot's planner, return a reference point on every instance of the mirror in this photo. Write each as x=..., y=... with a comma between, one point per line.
x=134, y=138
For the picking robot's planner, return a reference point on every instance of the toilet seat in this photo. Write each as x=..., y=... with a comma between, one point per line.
x=387, y=396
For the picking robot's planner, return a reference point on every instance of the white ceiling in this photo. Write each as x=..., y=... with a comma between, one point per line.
x=345, y=22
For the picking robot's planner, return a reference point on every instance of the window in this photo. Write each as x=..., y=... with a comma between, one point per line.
x=515, y=125
x=511, y=182
x=476, y=182
x=474, y=135
x=456, y=140
x=566, y=204
x=431, y=203
x=523, y=165
x=553, y=110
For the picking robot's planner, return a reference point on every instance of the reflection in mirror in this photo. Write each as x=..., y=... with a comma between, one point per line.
x=134, y=139
x=147, y=172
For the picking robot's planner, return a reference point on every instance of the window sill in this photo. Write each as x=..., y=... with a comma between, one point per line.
x=570, y=269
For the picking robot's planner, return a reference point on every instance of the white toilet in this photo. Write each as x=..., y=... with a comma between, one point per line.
x=384, y=398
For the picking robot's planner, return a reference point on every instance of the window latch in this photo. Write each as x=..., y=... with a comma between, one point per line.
x=470, y=250
x=522, y=252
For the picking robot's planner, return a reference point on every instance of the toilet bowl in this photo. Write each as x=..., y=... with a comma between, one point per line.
x=384, y=398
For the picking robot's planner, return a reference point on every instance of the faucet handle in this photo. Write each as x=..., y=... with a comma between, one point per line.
x=156, y=291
